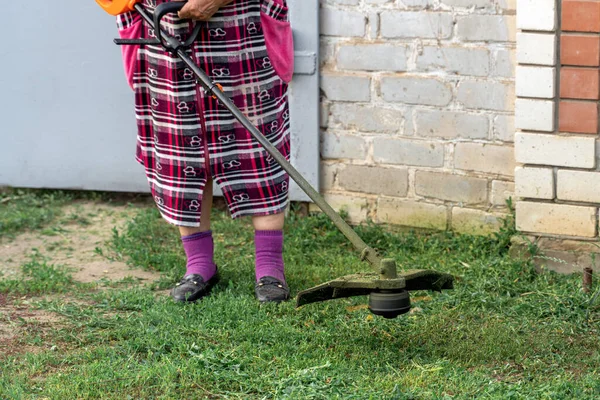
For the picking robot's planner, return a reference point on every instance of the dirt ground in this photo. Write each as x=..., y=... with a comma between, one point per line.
x=17, y=319
x=72, y=242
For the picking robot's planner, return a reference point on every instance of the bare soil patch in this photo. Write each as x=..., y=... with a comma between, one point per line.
x=72, y=242
x=18, y=322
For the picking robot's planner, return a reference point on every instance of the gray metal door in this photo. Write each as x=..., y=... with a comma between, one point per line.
x=67, y=112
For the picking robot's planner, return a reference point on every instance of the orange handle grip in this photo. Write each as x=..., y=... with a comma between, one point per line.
x=116, y=7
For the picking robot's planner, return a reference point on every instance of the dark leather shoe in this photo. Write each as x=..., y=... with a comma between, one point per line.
x=269, y=289
x=193, y=287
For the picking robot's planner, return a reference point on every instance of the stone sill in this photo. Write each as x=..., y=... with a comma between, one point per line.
x=565, y=256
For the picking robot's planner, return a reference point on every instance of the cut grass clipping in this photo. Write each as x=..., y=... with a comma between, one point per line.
x=505, y=332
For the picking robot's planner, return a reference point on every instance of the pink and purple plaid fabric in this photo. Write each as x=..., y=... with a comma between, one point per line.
x=184, y=135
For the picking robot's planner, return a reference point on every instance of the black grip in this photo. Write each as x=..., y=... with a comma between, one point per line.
x=168, y=42
x=167, y=8
x=159, y=13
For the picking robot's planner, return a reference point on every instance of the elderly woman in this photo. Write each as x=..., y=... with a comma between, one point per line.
x=187, y=140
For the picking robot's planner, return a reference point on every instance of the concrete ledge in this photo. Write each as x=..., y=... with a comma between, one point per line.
x=565, y=256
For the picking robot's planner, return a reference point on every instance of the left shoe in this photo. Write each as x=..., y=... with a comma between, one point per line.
x=193, y=287
x=271, y=290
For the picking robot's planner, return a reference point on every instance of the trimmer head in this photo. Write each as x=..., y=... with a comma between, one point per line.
x=388, y=296
x=389, y=304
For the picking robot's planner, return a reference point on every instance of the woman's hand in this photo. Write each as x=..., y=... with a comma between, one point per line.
x=201, y=10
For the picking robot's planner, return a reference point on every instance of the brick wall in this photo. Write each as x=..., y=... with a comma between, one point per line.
x=557, y=112
x=418, y=110
x=557, y=179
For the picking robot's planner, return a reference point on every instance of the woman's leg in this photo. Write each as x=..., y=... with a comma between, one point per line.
x=207, y=201
x=199, y=249
x=273, y=222
x=268, y=241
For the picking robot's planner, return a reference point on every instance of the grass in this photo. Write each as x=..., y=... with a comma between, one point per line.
x=505, y=332
x=27, y=209
x=41, y=278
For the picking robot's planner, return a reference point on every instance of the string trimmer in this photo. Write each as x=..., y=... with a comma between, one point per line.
x=387, y=288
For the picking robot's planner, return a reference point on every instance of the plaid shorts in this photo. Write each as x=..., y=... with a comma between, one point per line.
x=185, y=136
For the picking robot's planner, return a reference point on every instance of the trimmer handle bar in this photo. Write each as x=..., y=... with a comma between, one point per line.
x=169, y=43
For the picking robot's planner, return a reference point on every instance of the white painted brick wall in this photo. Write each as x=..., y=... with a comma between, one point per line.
x=536, y=183
x=507, y=5
x=534, y=115
x=503, y=63
x=562, y=151
x=578, y=186
x=542, y=181
x=343, y=146
x=365, y=118
x=486, y=158
x=535, y=82
x=475, y=222
x=416, y=90
x=375, y=180
x=486, y=94
x=536, y=15
x=346, y=87
x=356, y=207
x=557, y=219
x=416, y=24
x=372, y=57
x=502, y=191
x=451, y=124
x=455, y=188
x=489, y=28
x=418, y=109
x=342, y=23
x=411, y=213
x=408, y=152
x=455, y=59
x=503, y=128
x=536, y=48
x=468, y=3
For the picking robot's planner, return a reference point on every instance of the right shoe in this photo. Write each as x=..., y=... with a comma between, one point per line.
x=271, y=290
x=193, y=287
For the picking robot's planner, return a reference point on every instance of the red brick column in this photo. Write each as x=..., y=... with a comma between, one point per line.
x=580, y=66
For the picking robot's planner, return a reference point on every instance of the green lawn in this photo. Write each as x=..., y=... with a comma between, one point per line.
x=505, y=332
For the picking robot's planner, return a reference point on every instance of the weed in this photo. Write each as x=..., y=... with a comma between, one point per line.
x=38, y=277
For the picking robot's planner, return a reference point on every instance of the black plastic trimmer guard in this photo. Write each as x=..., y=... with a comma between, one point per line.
x=366, y=283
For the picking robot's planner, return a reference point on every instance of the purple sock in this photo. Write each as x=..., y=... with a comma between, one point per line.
x=199, y=249
x=269, y=254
